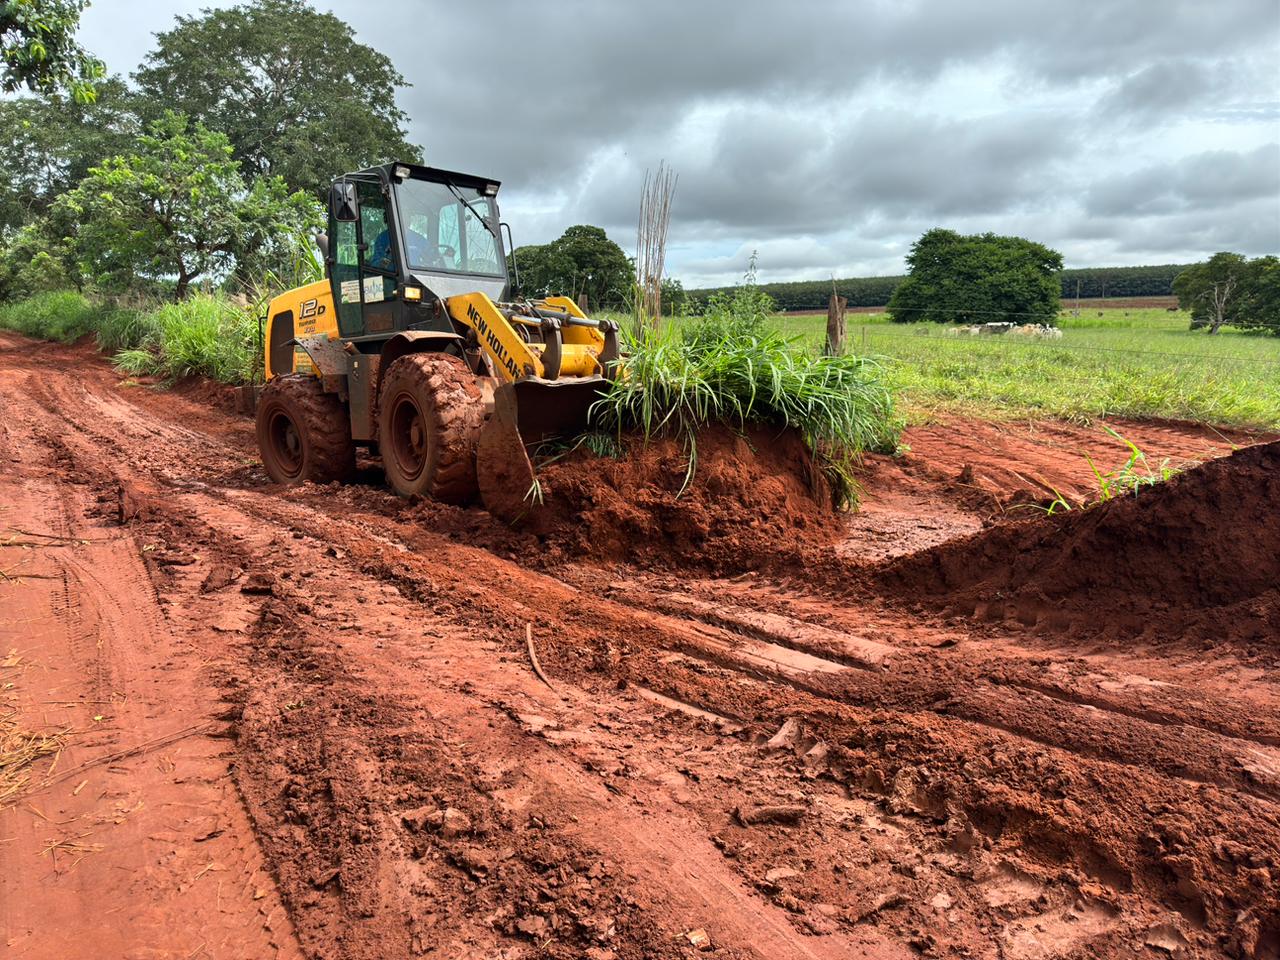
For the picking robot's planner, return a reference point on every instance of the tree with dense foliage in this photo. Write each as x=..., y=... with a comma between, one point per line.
x=1229, y=289
x=290, y=87
x=983, y=278
x=50, y=142
x=39, y=52
x=177, y=208
x=1260, y=302
x=583, y=260
x=675, y=301
x=36, y=259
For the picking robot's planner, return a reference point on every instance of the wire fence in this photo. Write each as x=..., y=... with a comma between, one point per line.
x=1111, y=382
x=1040, y=315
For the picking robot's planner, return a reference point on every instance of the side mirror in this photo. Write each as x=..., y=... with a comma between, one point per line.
x=343, y=202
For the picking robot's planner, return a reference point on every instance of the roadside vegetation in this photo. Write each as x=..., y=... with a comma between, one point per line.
x=205, y=335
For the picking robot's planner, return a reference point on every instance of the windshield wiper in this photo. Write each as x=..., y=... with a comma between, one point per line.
x=474, y=212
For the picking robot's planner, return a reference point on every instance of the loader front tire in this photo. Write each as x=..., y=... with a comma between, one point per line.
x=430, y=410
x=303, y=432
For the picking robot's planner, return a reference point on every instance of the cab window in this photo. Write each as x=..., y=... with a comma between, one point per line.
x=379, y=250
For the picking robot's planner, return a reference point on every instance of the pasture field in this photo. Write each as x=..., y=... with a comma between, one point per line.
x=1111, y=362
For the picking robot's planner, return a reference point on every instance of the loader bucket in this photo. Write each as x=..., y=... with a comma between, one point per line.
x=527, y=412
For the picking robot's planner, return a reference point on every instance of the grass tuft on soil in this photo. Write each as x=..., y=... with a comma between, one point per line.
x=730, y=368
x=206, y=335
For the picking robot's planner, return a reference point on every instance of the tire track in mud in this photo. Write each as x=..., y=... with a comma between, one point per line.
x=126, y=791
x=1002, y=695
x=1123, y=828
x=1189, y=696
x=1118, y=858
x=305, y=881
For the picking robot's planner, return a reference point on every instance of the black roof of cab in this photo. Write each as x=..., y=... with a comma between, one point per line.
x=385, y=172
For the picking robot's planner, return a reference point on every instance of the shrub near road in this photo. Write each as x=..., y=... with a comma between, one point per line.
x=207, y=335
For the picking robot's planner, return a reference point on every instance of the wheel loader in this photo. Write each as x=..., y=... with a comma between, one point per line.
x=416, y=347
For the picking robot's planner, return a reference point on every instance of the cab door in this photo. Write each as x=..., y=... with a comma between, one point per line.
x=365, y=265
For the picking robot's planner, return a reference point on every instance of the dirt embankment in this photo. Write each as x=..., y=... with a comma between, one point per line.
x=1198, y=554
x=742, y=492
x=744, y=497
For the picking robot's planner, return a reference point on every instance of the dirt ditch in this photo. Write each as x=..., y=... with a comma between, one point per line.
x=774, y=754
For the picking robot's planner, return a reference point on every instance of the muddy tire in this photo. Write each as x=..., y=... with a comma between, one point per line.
x=429, y=414
x=303, y=432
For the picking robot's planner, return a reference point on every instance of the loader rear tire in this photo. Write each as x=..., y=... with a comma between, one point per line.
x=430, y=410
x=303, y=432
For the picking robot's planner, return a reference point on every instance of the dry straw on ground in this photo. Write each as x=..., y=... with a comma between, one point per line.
x=19, y=749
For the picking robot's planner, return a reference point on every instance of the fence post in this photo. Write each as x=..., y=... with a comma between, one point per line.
x=836, y=325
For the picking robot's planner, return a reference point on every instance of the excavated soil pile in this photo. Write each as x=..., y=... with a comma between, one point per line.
x=749, y=494
x=1198, y=555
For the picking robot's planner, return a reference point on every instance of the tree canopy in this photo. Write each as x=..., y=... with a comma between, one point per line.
x=50, y=142
x=582, y=260
x=1229, y=289
x=177, y=207
x=39, y=52
x=983, y=278
x=296, y=95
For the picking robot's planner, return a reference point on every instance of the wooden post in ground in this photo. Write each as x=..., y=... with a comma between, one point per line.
x=836, y=325
x=582, y=303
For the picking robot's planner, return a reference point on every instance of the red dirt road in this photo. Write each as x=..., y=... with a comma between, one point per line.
x=304, y=723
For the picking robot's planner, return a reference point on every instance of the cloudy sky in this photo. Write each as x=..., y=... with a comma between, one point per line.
x=829, y=135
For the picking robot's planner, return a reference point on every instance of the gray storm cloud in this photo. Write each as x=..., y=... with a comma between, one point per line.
x=829, y=134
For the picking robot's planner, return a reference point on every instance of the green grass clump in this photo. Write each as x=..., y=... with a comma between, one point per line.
x=124, y=329
x=1128, y=479
x=62, y=315
x=205, y=335
x=733, y=369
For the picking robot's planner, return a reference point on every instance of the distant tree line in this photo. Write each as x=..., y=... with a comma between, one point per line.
x=811, y=294
x=1154, y=281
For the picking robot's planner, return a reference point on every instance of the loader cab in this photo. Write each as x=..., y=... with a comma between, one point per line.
x=402, y=238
